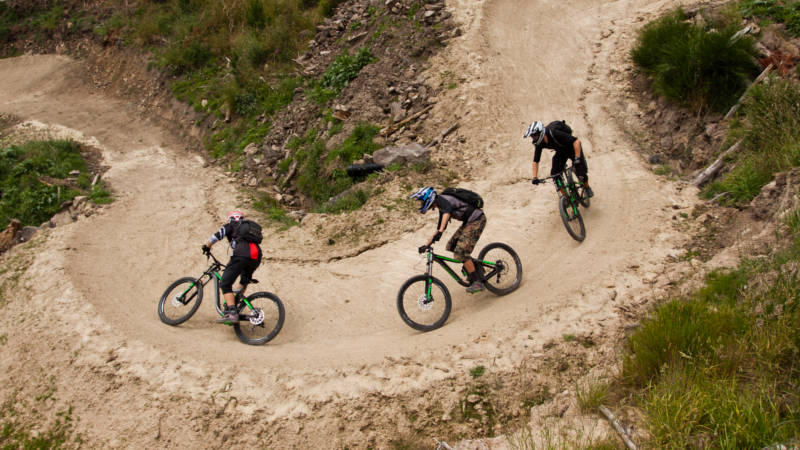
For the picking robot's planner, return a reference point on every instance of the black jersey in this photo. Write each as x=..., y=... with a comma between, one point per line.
x=245, y=249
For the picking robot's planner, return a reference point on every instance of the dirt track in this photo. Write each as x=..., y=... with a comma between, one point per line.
x=343, y=337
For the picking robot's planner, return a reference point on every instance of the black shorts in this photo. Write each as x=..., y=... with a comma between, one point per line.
x=238, y=265
x=560, y=161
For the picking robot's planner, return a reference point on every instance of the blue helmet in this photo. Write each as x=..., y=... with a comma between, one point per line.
x=426, y=196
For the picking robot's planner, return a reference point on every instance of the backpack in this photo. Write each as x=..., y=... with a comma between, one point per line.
x=466, y=196
x=248, y=231
x=561, y=126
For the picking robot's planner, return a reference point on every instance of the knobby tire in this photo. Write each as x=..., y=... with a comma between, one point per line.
x=274, y=315
x=571, y=219
x=507, y=280
x=412, y=307
x=166, y=305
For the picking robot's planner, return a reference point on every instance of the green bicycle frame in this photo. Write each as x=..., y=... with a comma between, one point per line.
x=443, y=260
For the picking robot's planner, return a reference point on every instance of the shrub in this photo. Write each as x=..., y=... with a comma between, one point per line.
x=705, y=69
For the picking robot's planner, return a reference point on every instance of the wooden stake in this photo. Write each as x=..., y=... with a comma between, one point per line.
x=712, y=170
x=625, y=438
x=757, y=80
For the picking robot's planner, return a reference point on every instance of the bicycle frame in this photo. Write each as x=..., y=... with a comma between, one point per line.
x=443, y=260
x=212, y=273
x=565, y=182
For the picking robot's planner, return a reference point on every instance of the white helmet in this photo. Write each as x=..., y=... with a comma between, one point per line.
x=235, y=216
x=536, y=132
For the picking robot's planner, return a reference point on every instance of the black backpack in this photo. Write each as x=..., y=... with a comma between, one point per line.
x=248, y=231
x=560, y=125
x=466, y=196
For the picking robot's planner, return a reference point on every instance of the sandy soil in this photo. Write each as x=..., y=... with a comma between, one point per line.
x=100, y=277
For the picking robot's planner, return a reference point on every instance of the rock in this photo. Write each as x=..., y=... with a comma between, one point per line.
x=251, y=149
x=26, y=233
x=297, y=215
x=655, y=159
x=410, y=153
x=62, y=218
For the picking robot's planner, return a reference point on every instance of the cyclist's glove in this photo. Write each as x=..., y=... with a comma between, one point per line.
x=206, y=249
x=536, y=181
x=423, y=249
x=577, y=161
x=437, y=236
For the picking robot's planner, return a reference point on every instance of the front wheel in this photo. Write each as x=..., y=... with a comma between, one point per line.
x=260, y=321
x=180, y=301
x=424, y=303
x=572, y=219
x=583, y=197
x=502, y=268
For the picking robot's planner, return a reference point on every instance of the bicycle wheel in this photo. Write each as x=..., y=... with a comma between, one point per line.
x=583, y=198
x=261, y=324
x=424, y=305
x=180, y=301
x=572, y=219
x=507, y=267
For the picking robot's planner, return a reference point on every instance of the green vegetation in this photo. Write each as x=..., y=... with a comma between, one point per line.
x=14, y=434
x=477, y=371
x=781, y=11
x=34, y=180
x=770, y=130
x=323, y=178
x=704, y=68
x=342, y=71
x=720, y=368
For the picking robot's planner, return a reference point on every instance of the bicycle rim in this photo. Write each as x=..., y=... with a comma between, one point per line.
x=504, y=268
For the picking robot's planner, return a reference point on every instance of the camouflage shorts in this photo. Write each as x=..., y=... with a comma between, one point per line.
x=464, y=239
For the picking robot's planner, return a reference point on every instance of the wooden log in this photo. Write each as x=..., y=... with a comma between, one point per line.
x=739, y=102
x=621, y=431
x=443, y=135
x=712, y=170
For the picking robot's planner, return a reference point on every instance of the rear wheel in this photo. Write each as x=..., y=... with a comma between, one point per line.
x=180, y=301
x=262, y=322
x=502, y=267
x=572, y=219
x=424, y=303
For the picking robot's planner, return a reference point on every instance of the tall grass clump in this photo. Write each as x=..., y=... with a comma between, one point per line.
x=719, y=369
x=770, y=130
x=706, y=69
x=24, y=192
x=781, y=11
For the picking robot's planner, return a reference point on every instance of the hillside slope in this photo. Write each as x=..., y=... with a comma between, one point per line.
x=131, y=381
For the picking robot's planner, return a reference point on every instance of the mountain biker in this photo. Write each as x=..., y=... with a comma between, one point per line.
x=244, y=261
x=566, y=146
x=464, y=239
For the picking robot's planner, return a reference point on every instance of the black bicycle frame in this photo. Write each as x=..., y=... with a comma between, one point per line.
x=212, y=273
x=443, y=260
x=569, y=185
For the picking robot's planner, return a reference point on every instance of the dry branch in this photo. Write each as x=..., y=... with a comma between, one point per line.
x=739, y=102
x=396, y=126
x=443, y=135
x=625, y=438
x=715, y=167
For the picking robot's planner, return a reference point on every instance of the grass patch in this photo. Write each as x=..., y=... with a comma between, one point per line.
x=719, y=369
x=770, y=130
x=35, y=180
x=699, y=67
x=15, y=434
x=477, y=371
x=272, y=209
x=342, y=70
x=591, y=396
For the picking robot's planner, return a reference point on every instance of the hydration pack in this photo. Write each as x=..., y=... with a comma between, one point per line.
x=466, y=196
x=559, y=125
x=247, y=231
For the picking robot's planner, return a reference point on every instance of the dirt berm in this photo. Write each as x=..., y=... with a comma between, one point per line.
x=80, y=332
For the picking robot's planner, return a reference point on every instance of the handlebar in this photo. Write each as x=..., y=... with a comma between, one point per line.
x=210, y=255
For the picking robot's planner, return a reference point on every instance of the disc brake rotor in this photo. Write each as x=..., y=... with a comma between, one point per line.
x=424, y=303
x=176, y=301
x=258, y=317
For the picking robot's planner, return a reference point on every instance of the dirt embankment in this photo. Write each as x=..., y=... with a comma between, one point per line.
x=345, y=371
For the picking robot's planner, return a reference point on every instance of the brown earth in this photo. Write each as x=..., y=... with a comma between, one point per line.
x=80, y=330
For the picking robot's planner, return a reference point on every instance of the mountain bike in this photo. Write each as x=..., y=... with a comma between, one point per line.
x=424, y=302
x=261, y=314
x=576, y=195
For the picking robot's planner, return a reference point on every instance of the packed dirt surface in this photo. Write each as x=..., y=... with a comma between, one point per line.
x=134, y=382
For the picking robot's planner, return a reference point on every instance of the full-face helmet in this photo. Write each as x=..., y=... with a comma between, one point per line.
x=426, y=196
x=235, y=216
x=536, y=132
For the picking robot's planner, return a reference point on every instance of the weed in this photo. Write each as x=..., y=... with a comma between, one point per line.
x=591, y=395
x=273, y=210
x=477, y=371
x=342, y=70
x=359, y=143
x=663, y=170
x=350, y=201
x=786, y=12
x=569, y=337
